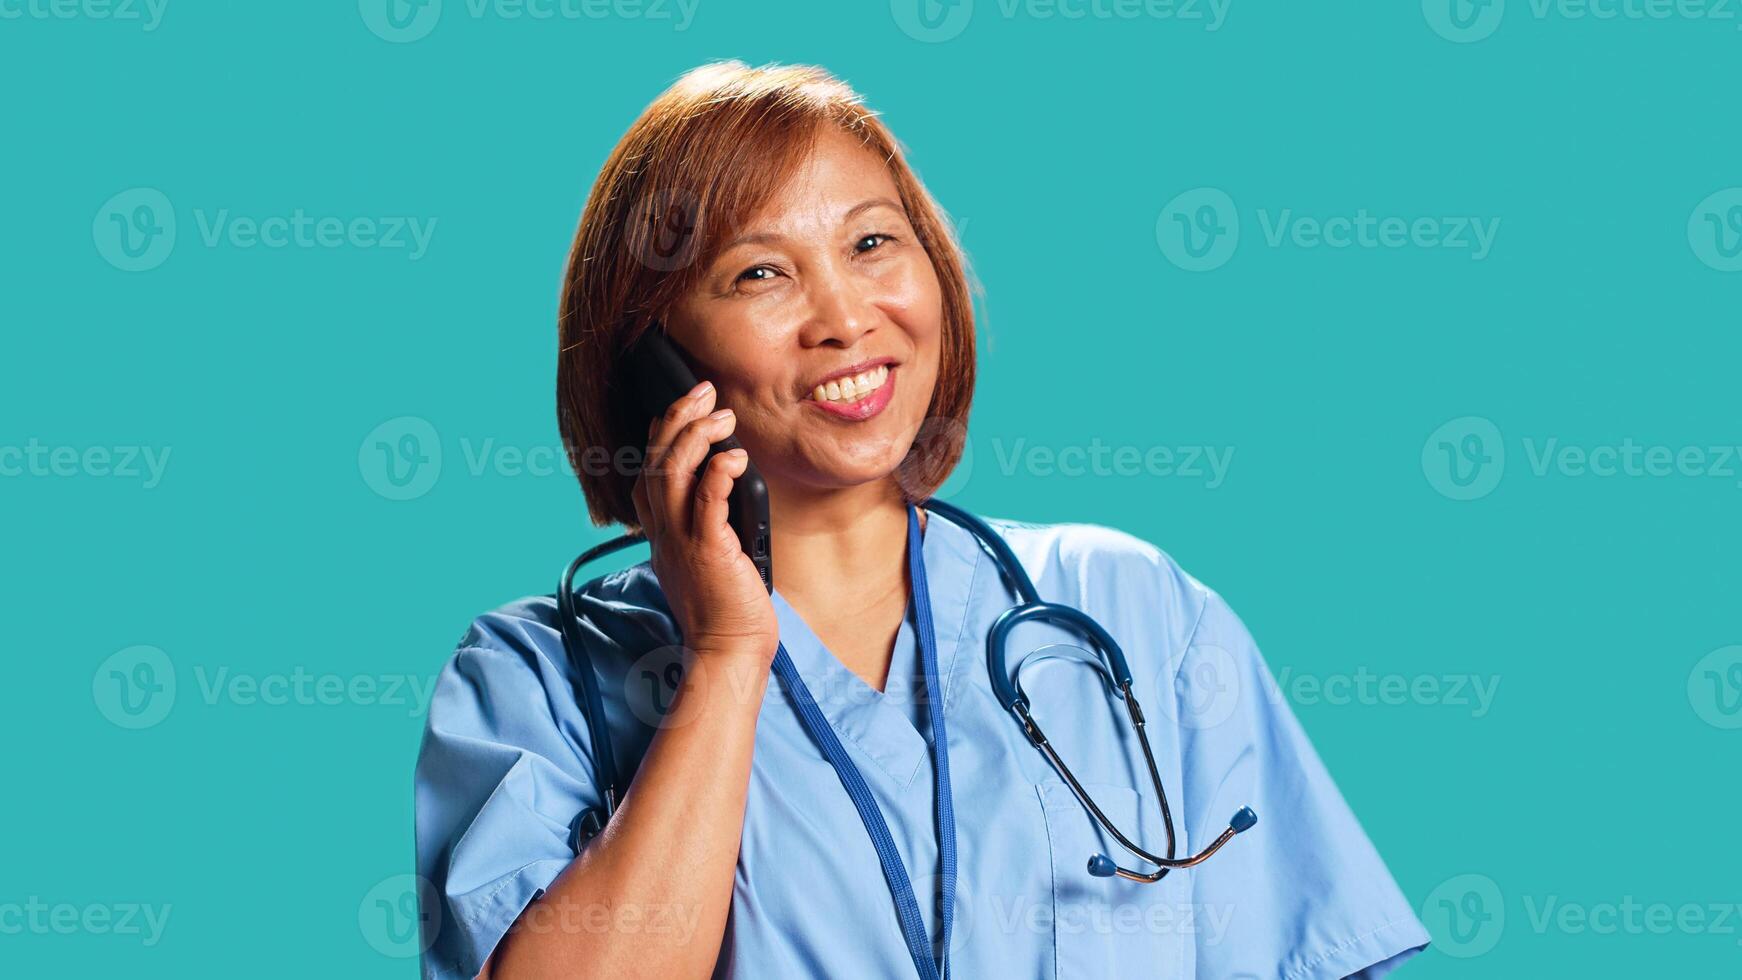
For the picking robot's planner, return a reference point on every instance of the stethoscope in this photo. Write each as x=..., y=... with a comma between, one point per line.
x=1110, y=665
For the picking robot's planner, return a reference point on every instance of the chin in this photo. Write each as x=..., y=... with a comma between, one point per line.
x=857, y=476
x=841, y=472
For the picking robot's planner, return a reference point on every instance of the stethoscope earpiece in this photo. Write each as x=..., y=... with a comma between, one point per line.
x=1243, y=820
x=1102, y=866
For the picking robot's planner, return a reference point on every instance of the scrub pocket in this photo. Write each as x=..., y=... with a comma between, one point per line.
x=1110, y=927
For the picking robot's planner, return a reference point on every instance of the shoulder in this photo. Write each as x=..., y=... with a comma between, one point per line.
x=1096, y=566
x=526, y=635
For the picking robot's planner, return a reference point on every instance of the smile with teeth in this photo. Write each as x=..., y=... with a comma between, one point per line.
x=848, y=390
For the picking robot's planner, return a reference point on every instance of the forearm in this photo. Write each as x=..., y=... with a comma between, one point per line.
x=649, y=896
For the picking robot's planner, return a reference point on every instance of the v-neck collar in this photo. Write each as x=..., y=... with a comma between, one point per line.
x=889, y=726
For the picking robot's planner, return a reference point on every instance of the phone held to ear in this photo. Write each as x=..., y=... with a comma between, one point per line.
x=660, y=376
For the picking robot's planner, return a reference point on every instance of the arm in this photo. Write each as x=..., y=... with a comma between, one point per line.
x=668, y=853
x=672, y=847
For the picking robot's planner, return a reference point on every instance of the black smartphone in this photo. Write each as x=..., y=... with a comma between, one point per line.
x=659, y=375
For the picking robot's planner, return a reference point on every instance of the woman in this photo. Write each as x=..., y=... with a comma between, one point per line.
x=769, y=224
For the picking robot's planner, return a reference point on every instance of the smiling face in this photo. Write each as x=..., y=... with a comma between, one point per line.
x=820, y=324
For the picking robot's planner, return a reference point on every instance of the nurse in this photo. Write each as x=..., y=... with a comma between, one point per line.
x=770, y=224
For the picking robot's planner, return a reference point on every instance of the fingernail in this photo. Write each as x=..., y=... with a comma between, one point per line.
x=737, y=452
x=721, y=414
x=702, y=389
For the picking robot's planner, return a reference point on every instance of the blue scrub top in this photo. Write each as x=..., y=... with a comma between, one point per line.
x=505, y=768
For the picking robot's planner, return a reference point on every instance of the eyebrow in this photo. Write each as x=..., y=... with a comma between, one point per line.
x=765, y=238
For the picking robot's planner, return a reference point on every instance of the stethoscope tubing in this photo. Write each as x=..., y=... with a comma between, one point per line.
x=1029, y=608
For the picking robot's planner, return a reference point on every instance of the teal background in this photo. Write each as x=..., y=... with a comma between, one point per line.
x=1596, y=777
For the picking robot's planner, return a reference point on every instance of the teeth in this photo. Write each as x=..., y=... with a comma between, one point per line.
x=854, y=388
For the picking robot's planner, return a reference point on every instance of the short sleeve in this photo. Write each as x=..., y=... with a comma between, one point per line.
x=1304, y=894
x=500, y=779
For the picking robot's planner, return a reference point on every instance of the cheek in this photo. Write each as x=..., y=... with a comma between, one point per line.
x=917, y=307
x=913, y=290
x=747, y=371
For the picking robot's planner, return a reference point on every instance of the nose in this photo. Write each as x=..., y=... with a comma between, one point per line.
x=841, y=311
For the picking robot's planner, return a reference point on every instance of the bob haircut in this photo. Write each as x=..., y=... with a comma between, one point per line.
x=706, y=155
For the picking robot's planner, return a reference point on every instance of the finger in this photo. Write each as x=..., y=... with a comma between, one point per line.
x=713, y=511
x=644, y=513
x=656, y=466
x=684, y=459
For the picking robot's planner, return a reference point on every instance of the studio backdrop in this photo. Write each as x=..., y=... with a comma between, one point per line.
x=1411, y=329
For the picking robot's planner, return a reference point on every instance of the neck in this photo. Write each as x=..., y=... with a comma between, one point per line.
x=838, y=545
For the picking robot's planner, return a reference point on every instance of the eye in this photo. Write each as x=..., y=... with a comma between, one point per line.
x=869, y=242
x=757, y=273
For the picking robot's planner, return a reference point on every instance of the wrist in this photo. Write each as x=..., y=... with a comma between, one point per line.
x=750, y=651
x=727, y=682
